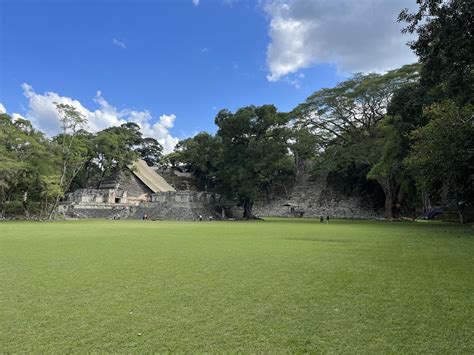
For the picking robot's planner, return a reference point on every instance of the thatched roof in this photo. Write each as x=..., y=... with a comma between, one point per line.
x=149, y=177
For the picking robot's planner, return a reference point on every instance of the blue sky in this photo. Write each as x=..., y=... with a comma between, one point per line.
x=171, y=65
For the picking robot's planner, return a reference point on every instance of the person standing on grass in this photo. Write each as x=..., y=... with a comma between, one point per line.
x=327, y=219
x=321, y=219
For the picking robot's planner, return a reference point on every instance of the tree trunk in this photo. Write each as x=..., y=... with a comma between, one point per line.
x=397, y=203
x=460, y=212
x=388, y=214
x=102, y=176
x=53, y=208
x=25, y=205
x=248, y=210
x=425, y=199
x=2, y=203
x=391, y=191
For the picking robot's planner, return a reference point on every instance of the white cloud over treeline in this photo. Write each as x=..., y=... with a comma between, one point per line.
x=43, y=114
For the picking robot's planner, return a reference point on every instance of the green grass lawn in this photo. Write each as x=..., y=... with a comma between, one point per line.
x=270, y=286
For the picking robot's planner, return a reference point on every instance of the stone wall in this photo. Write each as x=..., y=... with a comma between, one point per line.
x=182, y=205
x=96, y=210
x=179, y=180
x=93, y=196
x=315, y=198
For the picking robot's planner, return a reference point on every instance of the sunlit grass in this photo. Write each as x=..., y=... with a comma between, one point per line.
x=269, y=286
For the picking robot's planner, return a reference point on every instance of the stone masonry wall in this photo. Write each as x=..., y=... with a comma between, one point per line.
x=183, y=205
x=180, y=205
x=316, y=199
x=96, y=210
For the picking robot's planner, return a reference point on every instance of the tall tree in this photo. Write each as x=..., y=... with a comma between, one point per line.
x=72, y=150
x=352, y=109
x=445, y=47
x=10, y=167
x=442, y=156
x=25, y=156
x=347, y=118
x=200, y=154
x=114, y=149
x=254, y=153
x=150, y=150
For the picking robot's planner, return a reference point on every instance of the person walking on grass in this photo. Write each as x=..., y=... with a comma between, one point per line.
x=327, y=219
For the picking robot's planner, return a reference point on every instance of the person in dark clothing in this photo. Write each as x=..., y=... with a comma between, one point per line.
x=327, y=219
x=321, y=219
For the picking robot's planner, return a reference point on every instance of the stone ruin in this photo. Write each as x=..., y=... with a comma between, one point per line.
x=138, y=192
x=178, y=197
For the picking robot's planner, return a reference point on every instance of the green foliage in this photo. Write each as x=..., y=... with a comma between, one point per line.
x=37, y=171
x=303, y=144
x=171, y=159
x=442, y=155
x=200, y=154
x=445, y=47
x=51, y=188
x=248, y=156
x=352, y=109
x=114, y=149
x=150, y=150
x=348, y=123
x=25, y=155
x=254, y=154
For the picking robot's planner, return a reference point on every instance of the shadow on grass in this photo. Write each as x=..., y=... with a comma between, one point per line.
x=322, y=240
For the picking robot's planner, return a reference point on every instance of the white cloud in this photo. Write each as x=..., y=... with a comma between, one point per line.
x=196, y=2
x=352, y=35
x=17, y=116
x=118, y=43
x=42, y=113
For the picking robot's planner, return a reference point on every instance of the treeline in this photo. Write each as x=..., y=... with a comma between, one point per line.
x=36, y=171
x=410, y=130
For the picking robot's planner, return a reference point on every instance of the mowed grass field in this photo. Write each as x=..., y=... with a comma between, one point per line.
x=269, y=286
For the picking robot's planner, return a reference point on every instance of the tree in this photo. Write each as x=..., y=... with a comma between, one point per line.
x=71, y=150
x=150, y=150
x=25, y=155
x=442, y=155
x=404, y=114
x=347, y=120
x=444, y=45
x=255, y=154
x=304, y=145
x=200, y=155
x=172, y=159
x=114, y=149
x=353, y=108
